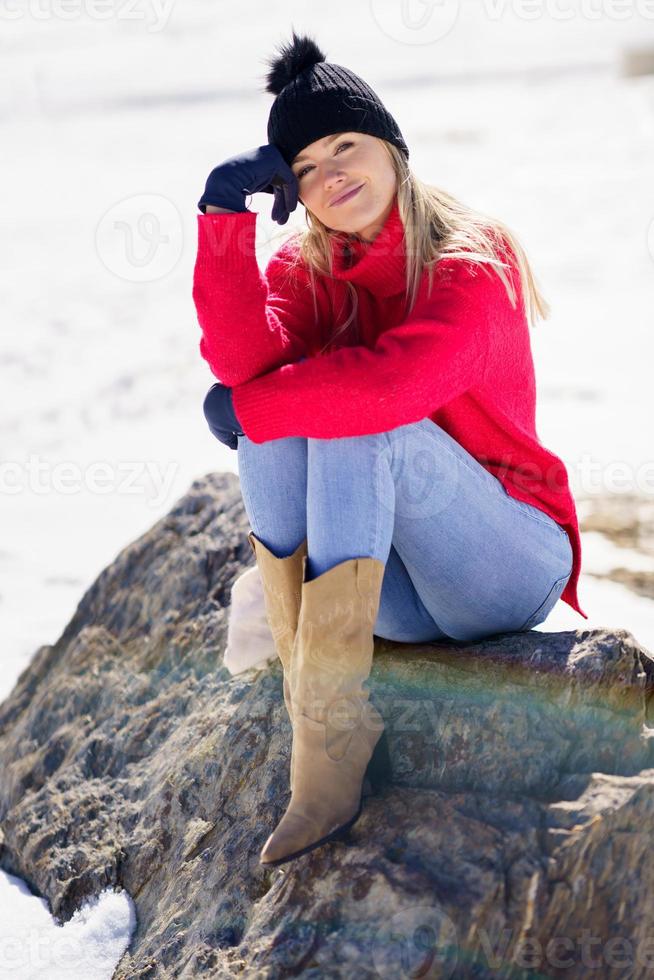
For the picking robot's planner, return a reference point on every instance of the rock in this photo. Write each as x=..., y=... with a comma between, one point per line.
x=627, y=521
x=512, y=833
x=637, y=61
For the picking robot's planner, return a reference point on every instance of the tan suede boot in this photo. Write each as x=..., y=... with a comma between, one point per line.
x=335, y=726
x=282, y=587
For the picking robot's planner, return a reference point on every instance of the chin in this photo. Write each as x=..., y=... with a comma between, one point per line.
x=348, y=224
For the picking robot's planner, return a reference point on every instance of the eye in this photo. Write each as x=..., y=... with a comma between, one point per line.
x=302, y=171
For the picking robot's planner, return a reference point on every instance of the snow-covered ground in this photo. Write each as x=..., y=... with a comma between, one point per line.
x=113, y=115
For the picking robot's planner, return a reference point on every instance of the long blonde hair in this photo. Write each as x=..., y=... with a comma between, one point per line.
x=436, y=226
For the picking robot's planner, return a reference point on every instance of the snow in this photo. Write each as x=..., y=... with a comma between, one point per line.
x=113, y=116
x=88, y=946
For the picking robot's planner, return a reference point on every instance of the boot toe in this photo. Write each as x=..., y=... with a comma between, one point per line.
x=293, y=833
x=297, y=833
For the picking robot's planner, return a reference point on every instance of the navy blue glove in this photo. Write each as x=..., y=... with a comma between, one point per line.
x=260, y=169
x=219, y=413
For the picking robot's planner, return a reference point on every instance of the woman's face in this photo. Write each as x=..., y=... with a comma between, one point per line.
x=338, y=163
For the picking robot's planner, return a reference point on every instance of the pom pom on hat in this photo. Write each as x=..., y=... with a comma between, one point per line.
x=293, y=58
x=314, y=98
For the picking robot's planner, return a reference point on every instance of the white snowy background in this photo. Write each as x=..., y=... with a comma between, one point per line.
x=113, y=114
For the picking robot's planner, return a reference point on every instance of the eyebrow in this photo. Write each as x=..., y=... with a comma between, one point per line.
x=328, y=142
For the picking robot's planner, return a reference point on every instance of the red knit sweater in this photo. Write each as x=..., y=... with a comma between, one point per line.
x=462, y=358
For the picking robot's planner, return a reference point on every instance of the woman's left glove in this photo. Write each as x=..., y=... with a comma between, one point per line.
x=260, y=169
x=219, y=413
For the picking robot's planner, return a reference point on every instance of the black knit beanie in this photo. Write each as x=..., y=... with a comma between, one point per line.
x=316, y=98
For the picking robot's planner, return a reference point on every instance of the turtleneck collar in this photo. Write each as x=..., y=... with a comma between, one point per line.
x=380, y=265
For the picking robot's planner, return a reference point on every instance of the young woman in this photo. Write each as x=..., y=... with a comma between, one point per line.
x=379, y=386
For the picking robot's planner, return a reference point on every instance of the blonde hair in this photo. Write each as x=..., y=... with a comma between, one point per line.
x=436, y=226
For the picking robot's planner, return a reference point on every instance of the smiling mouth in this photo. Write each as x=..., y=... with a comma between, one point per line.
x=347, y=196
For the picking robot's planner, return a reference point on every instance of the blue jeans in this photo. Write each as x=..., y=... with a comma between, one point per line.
x=464, y=560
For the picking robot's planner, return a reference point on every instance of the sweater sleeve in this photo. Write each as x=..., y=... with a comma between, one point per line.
x=251, y=323
x=413, y=369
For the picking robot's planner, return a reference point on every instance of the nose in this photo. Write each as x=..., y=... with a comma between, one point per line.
x=333, y=178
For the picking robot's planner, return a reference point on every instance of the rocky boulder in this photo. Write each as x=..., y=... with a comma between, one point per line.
x=511, y=836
